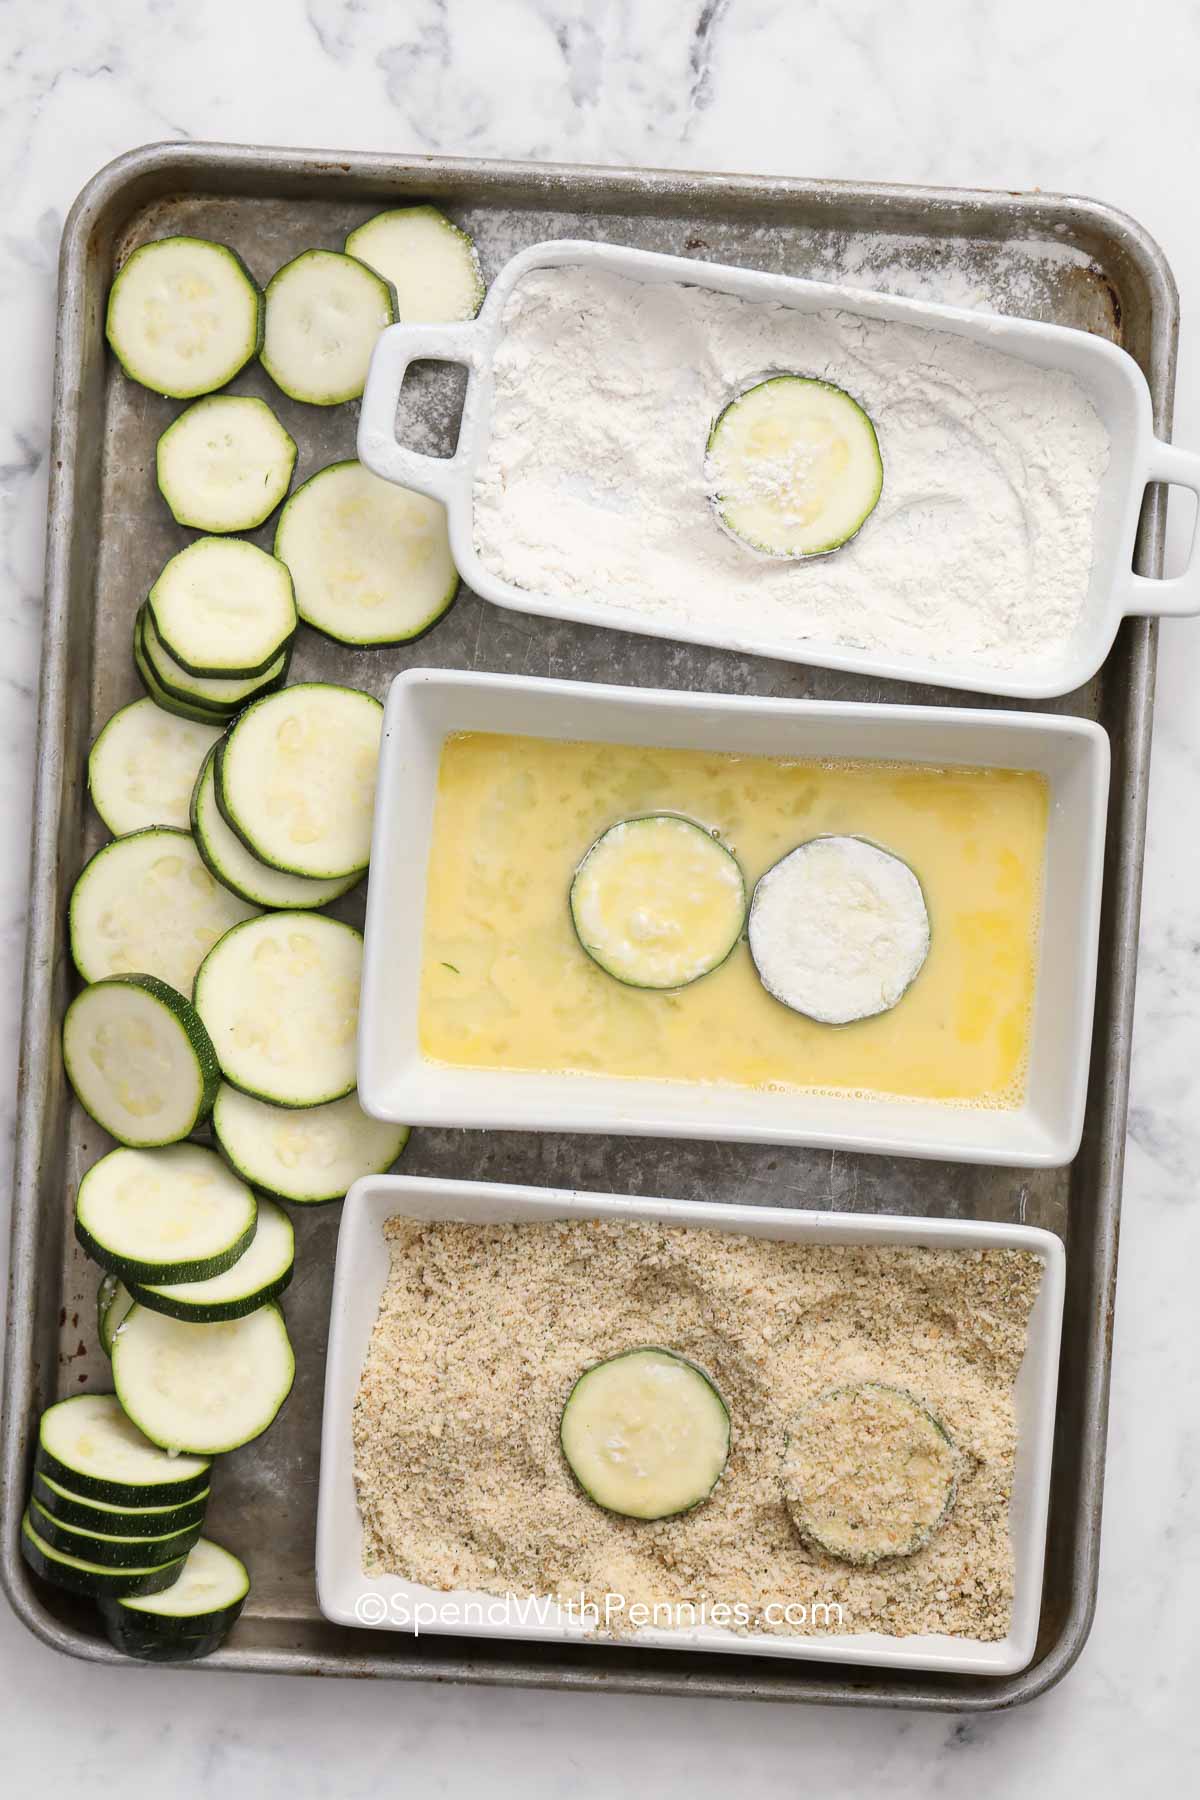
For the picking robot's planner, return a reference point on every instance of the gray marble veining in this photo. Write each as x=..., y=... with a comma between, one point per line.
x=1077, y=96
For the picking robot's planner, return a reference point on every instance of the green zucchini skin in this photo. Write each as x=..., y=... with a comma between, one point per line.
x=592, y=952
x=182, y=709
x=149, y=1522
x=92, y=1581
x=182, y=511
x=835, y=543
x=173, y=1622
x=254, y=344
x=275, y=1235
x=199, y=1042
x=675, y=1356
x=112, y=1297
x=175, y=1492
x=112, y=1552
x=244, y=671
x=144, y=1647
x=227, y=709
x=131, y=1269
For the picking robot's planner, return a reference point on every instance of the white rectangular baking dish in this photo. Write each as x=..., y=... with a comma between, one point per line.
x=1113, y=380
x=397, y=1082
x=349, y=1597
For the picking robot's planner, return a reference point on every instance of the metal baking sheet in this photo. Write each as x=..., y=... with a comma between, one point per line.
x=1072, y=261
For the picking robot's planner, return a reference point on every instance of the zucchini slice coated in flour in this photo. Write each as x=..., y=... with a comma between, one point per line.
x=868, y=1473
x=260, y=1274
x=225, y=464
x=90, y=1446
x=646, y=1434
x=657, y=901
x=279, y=997
x=143, y=765
x=229, y=860
x=95, y=1580
x=839, y=930
x=305, y=1155
x=203, y=1388
x=146, y=905
x=224, y=608
x=793, y=467
x=178, y=1214
x=296, y=779
x=184, y=315
x=139, y=1060
x=370, y=561
x=432, y=265
x=324, y=312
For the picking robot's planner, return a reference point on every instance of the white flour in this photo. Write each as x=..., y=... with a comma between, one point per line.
x=978, y=551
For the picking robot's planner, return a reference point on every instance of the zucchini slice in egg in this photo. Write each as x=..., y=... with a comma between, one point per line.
x=839, y=930
x=868, y=1473
x=645, y=1433
x=793, y=467
x=658, y=902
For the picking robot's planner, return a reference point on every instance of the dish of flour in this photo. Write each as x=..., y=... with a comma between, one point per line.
x=593, y=487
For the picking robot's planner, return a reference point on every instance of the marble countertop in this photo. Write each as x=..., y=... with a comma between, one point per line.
x=1080, y=96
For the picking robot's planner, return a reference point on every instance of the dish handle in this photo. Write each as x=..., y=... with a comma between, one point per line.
x=378, y=447
x=1178, y=594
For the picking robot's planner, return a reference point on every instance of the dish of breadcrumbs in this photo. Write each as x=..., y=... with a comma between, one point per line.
x=483, y=1329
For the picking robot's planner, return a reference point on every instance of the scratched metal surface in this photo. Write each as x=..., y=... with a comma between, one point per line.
x=1070, y=261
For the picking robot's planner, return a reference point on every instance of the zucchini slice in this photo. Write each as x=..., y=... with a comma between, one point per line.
x=370, y=561
x=107, y=1548
x=88, y=1445
x=113, y=1301
x=146, y=905
x=793, y=467
x=203, y=1388
x=305, y=1155
x=143, y=765
x=178, y=1214
x=101, y=1517
x=184, y=315
x=222, y=607
x=296, y=779
x=147, y=1648
x=224, y=697
x=196, y=711
x=839, y=930
x=206, y=1600
x=868, y=1473
x=324, y=312
x=432, y=264
x=658, y=902
x=225, y=464
x=645, y=1434
x=229, y=860
x=279, y=997
x=260, y=1274
x=94, y=1580
x=139, y=1060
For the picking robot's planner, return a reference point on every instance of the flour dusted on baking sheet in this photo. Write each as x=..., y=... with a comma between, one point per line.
x=593, y=487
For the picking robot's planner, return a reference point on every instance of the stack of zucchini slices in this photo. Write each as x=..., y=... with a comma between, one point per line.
x=114, y=1518
x=214, y=1038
